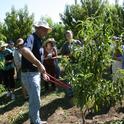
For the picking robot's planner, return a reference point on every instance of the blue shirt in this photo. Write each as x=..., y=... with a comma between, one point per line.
x=68, y=47
x=34, y=43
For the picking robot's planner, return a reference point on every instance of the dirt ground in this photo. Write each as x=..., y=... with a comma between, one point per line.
x=56, y=109
x=63, y=111
x=73, y=116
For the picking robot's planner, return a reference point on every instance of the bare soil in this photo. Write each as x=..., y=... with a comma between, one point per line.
x=56, y=109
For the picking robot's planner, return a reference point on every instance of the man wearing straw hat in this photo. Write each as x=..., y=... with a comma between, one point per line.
x=31, y=66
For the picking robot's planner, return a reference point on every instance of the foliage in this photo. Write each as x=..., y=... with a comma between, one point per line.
x=58, y=34
x=87, y=71
x=71, y=16
x=2, y=36
x=2, y=62
x=117, y=15
x=2, y=89
x=18, y=23
x=93, y=9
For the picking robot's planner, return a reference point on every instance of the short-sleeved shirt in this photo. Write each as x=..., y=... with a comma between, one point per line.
x=29, y=42
x=34, y=43
x=68, y=47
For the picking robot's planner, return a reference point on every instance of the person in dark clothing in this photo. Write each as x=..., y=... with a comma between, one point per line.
x=69, y=43
x=66, y=51
x=9, y=71
x=10, y=74
x=50, y=55
x=31, y=66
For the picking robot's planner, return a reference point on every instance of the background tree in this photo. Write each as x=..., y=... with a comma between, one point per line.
x=58, y=34
x=118, y=19
x=93, y=8
x=18, y=23
x=2, y=36
x=74, y=13
x=93, y=90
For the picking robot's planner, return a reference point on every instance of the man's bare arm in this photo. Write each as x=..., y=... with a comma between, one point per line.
x=30, y=57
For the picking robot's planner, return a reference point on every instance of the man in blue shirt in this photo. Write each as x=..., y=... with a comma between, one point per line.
x=31, y=66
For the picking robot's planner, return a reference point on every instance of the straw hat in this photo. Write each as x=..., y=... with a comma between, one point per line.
x=49, y=40
x=3, y=44
x=43, y=25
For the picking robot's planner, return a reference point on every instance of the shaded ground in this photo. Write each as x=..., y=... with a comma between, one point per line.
x=56, y=109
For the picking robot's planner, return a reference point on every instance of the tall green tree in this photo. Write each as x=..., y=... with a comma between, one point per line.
x=2, y=36
x=18, y=23
x=71, y=16
x=58, y=34
x=93, y=90
x=93, y=9
x=87, y=72
x=82, y=11
x=118, y=19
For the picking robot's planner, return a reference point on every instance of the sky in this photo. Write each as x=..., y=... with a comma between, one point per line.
x=50, y=8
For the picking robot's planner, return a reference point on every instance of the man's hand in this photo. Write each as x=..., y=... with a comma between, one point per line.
x=45, y=77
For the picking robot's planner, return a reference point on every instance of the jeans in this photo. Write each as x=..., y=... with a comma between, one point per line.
x=31, y=81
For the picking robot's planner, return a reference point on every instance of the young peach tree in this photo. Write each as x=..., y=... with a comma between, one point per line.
x=88, y=70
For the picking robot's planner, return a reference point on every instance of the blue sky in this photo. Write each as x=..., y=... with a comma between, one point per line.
x=50, y=8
